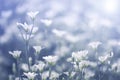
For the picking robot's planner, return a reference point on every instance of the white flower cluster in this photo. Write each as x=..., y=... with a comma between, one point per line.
x=80, y=55
x=105, y=57
x=51, y=59
x=79, y=66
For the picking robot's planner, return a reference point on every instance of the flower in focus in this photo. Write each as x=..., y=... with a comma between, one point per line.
x=80, y=55
x=15, y=54
x=47, y=22
x=30, y=75
x=37, y=48
x=51, y=59
x=32, y=14
x=95, y=44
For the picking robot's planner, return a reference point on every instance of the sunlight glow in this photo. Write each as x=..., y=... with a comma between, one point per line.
x=110, y=6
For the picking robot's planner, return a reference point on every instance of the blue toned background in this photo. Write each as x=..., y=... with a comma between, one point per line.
x=82, y=20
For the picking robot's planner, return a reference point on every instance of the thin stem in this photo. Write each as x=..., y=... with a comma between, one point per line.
x=49, y=72
x=26, y=46
x=21, y=34
x=18, y=68
x=31, y=31
x=27, y=58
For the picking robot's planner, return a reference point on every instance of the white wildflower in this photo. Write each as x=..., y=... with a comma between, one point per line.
x=28, y=28
x=88, y=74
x=70, y=74
x=15, y=54
x=40, y=66
x=103, y=58
x=54, y=75
x=24, y=67
x=17, y=78
x=69, y=59
x=83, y=64
x=44, y=75
x=59, y=33
x=32, y=14
x=37, y=48
x=47, y=22
x=77, y=56
x=95, y=44
x=27, y=36
x=34, y=30
x=51, y=59
x=25, y=26
x=30, y=75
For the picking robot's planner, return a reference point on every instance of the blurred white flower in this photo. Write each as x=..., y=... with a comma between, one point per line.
x=70, y=74
x=47, y=22
x=82, y=64
x=113, y=42
x=54, y=75
x=27, y=36
x=15, y=54
x=32, y=14
x=17, y=78
x=80, y=55
x=51, y=59
x=34, y=30
x=40, y=66
x=103, y=58
x=24, y=67
x=25, y=26
x=28, y=28
x=30, y=75
x=95, y=44
x=69, y=59
x=59, y=33
x=37, y=49
x=44, y=75
x=88, y=74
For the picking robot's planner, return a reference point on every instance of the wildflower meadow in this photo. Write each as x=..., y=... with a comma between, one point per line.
x=59, y=40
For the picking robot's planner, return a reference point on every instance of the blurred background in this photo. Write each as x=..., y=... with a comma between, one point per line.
x=75, y=23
